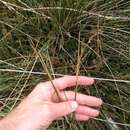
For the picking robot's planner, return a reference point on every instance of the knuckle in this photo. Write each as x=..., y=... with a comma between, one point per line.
x=46, y=109
x=42, y=86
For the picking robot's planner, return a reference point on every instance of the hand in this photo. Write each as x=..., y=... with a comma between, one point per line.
x=41, y=106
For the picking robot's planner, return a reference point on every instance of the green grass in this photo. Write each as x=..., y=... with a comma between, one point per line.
x=73, y=37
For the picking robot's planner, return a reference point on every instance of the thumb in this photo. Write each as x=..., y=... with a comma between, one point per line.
x=63, y=108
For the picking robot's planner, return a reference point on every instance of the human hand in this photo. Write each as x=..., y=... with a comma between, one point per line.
x=41, y=106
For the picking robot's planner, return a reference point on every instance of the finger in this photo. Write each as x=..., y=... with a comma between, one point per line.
x=59, y=118
x=80, y=117
x=67, y=81
x=87, y=111
x=81, y=98
x=62, y=109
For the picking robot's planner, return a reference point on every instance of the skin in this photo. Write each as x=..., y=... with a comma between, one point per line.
x=41, y=107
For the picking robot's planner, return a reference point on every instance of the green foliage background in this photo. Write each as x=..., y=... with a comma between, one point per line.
x=56, y=28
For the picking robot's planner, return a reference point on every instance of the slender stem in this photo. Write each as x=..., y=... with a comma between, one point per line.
x=46, y=69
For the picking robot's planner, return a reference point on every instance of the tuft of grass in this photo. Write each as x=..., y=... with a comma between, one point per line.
x=69, y=37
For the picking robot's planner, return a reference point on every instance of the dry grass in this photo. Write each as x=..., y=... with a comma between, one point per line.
x=42, y=40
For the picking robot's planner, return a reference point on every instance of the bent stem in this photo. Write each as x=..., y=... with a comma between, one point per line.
x=45, y=68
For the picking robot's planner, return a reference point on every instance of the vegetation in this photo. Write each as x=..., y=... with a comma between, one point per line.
x=67, y=37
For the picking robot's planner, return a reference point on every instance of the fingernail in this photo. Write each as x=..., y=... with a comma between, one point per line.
x=74, y=105
x=96, y=112
x=101, y=101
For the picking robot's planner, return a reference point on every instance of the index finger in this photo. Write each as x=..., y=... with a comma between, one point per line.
x=67, y=81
